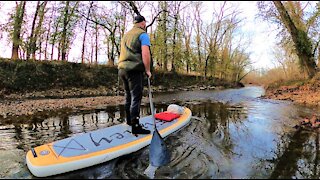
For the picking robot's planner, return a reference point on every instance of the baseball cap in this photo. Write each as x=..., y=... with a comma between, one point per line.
x=138, y=19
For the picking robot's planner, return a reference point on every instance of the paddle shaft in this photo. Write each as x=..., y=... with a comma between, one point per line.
x=151, y=103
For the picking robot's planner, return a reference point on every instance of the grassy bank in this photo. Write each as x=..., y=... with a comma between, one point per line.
x=20, y=76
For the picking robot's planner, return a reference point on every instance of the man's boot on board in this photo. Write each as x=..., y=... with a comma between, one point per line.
x=137, y=128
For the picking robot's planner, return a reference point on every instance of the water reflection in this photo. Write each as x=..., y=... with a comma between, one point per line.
x=300, y=159
x=39, y=131
x=232, y=134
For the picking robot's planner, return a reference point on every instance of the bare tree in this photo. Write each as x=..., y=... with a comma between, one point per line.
x=85, y=32
x=39, y=29
x=48, y=32
x=31, y=47
x=300, y=38
x=198, y=26
x=68, y=15
x=176, y=16
x=187, y=29
x=97, y=43
x=289, y=18
x=18, y=19
x=280, y=58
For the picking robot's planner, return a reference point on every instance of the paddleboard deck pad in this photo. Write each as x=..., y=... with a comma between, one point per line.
x=95, y=147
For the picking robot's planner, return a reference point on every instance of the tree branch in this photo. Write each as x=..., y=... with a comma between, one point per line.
x=94, y=21
x=156, y=18
x=134, y=7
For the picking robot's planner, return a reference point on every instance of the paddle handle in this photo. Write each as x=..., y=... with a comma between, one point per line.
x=151, y=103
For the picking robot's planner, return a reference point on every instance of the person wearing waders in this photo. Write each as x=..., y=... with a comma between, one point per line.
x=133, y=64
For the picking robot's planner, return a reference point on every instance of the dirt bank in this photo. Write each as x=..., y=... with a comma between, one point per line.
x=307, y=93
x=29, y=104
x=301, y=95
x=29, y=107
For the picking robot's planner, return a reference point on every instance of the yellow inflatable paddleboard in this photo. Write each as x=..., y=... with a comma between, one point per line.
x=95, y=147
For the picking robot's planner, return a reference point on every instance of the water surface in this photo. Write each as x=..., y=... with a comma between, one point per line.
x=232, y=134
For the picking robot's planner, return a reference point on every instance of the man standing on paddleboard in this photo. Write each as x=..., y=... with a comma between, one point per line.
x=134, y=61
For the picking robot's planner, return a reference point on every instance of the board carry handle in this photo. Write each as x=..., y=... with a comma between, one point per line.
x=34, y=153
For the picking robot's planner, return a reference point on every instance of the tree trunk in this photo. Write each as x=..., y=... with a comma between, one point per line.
x=17, y=29
x=165, y=38
x=173, y=68
x=48, y=36
x=54, y=42
x=92, y=50
x=38, y=30
x=85, y=33
x=198, y=40
x=64, y=33
x=301, y=40
x=32, y=44
x=96, y=49
x=113, y=46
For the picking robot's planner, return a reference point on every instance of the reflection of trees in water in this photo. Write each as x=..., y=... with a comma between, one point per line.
x=198, y=152
x=51, y=127
x=296, y=156
x=219, y=116
x=41, y=129
x=24, y=133
x=218, y=113
x=203, y=152
x=296, y=153
x=65, y=128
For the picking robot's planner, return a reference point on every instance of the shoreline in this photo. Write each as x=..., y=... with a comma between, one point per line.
x=28, y=107
x=303, y=95
x=16, y=105
x=76, y=99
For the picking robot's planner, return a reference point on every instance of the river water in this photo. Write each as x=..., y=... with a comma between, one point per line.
x=232, y=134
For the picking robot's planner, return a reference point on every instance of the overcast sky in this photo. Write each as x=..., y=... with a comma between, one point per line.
x=261, y=37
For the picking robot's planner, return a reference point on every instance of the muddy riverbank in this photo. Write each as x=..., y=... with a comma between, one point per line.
x=30, y=107
x=29, y=104
x=301, y=95
x=306, y=94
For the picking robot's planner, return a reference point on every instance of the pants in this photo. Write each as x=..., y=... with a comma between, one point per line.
x=133, y=86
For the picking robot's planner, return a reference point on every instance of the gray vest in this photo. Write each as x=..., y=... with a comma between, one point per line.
x=131, y=53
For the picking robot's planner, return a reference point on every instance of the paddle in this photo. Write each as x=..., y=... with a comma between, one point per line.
x=159, y=154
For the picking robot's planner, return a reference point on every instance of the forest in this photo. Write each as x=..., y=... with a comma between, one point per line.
x=183, y=38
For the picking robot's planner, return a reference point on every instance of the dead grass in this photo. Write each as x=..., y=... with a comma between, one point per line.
x=302, y=92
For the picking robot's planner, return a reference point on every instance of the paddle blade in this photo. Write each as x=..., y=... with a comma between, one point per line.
x=159, y=154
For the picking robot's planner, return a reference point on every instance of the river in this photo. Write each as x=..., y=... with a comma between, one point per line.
x=232, y=134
